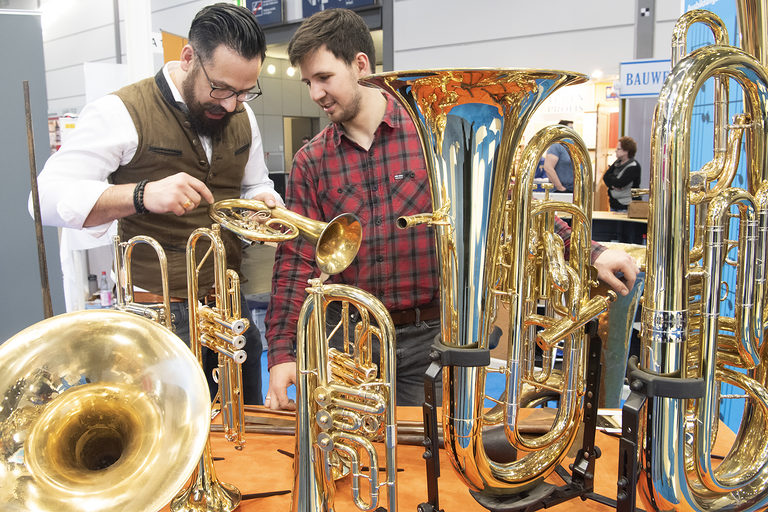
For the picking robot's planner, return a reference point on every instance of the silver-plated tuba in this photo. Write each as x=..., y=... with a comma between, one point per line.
x=685, y=332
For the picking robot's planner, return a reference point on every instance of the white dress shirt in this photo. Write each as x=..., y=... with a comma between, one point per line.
x=105, y=138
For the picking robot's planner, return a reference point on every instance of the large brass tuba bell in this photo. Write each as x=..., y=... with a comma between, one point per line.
x=685, y=333
x=471, y=122
x=101, y=410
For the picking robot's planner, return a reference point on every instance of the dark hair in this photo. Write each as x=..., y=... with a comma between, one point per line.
x=233, y=26
x=343, y=32
x=565, y=122
x=629, y=145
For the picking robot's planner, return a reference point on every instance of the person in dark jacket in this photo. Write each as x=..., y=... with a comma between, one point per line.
x=623, y=175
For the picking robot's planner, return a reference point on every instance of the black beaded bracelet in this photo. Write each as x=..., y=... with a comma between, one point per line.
x=138, y=197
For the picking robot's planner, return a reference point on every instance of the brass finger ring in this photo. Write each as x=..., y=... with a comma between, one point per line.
x=187, y=204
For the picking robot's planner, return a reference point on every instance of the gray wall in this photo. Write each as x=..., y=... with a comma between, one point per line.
x=554, y=34
x=22, y=303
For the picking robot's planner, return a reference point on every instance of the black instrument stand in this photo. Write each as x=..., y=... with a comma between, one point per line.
x=580, y=483
x=644, y=387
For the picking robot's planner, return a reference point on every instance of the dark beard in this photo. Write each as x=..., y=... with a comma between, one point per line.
x=196, y=112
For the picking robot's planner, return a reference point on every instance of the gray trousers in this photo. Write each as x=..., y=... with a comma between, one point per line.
x=413, y=344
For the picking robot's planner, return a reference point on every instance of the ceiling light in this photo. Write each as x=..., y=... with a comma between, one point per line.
x=271, y=69
x=290, y=71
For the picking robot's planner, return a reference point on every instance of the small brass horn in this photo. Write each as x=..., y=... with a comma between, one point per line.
x=336, y=242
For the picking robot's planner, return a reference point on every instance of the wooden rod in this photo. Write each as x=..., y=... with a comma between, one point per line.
x=46, y=289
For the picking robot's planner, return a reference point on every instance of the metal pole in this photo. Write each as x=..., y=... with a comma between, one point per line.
x=46, y=290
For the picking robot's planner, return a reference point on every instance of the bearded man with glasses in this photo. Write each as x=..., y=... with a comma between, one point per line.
x=156, y=153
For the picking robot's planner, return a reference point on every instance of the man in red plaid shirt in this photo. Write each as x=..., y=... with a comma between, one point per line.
x=369, y=162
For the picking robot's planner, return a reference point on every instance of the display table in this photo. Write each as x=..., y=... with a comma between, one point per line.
x=263, y=467
x=618, y=227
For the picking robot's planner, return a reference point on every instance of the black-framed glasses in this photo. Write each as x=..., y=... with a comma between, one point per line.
x=223, y=93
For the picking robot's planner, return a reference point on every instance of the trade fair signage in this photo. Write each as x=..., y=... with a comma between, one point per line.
x=643, y=78
x=268, y=12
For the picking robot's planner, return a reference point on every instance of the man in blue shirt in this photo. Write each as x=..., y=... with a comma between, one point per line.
x=558, y=166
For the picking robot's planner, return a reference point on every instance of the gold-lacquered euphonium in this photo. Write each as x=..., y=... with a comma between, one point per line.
x=470, y=122
x=345, y=401
x=685, y=334
x=160, y=313
x=220, y=328
x=99, y=410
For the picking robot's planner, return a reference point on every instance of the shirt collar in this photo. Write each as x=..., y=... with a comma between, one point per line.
x=172, y=86
x=168, y=88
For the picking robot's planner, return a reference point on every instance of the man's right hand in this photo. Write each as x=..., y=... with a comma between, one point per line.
x=281, y=376
x=179, y=194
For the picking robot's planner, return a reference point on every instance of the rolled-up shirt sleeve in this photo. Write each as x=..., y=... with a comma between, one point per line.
x=74, y=177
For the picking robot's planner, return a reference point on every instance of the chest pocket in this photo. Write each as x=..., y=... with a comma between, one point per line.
x=409, y=192
x=346, y=198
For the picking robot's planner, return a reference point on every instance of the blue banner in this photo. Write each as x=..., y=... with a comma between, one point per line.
x=268, y=12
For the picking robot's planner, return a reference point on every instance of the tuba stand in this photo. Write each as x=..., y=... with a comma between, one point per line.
x=579, y=483
x=442, y=355
x=644, y=387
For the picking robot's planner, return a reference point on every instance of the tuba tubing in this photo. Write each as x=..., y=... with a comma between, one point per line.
x=677, y=434
x=160, y=313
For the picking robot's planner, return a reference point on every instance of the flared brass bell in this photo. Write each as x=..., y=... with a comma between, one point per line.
x=101, y=410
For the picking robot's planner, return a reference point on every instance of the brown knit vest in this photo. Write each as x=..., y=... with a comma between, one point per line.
x=168, y=145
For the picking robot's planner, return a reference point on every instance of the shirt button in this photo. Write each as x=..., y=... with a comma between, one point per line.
x=379, y=258
x=378, y=221
x=375, y=188
x=339, y=190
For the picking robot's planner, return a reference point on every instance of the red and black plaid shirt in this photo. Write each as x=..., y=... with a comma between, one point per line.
x=332, y=175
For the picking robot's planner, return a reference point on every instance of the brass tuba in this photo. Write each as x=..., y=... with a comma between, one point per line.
x=345, y=401
x=471, y=123
x=685, y=335
x=101, y=410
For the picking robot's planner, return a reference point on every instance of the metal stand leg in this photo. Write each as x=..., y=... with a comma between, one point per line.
x=431, y=437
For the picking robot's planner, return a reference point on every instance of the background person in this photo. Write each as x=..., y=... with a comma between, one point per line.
x=623, y=175
x=367, y=161
x=558, y=166
x=156, y=153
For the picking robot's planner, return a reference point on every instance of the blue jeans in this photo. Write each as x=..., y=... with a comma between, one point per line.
x=251, y=367
x=621, y=316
